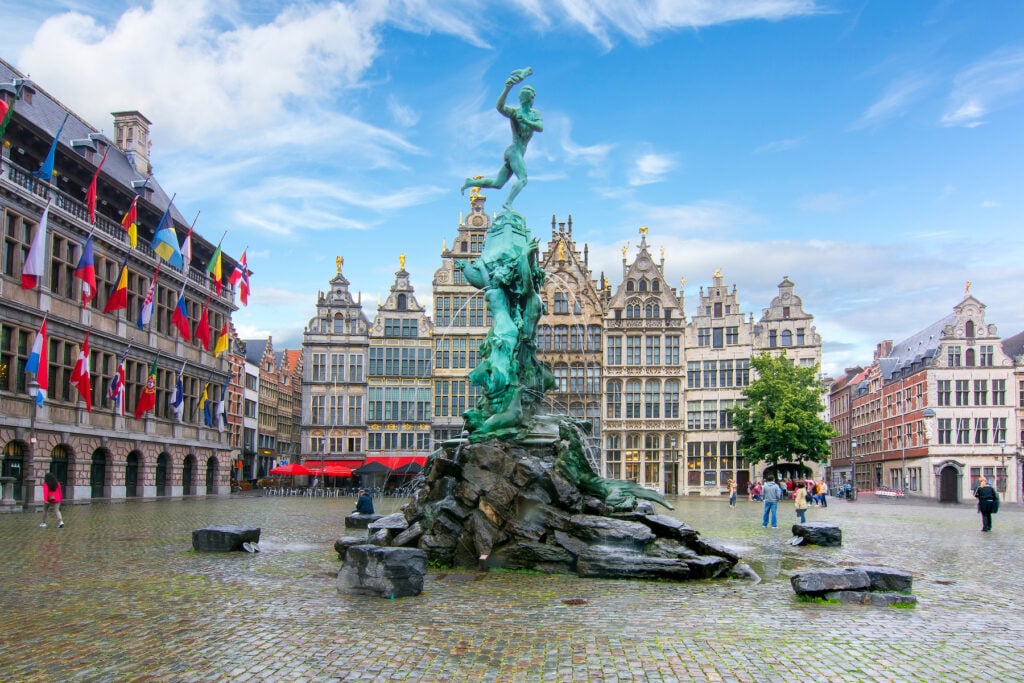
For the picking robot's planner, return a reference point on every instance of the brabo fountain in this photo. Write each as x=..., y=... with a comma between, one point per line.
x=517, y=490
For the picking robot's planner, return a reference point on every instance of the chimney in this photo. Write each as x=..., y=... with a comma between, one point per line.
x=131, y=135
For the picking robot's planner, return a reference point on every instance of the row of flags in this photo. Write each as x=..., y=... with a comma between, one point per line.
x=214, y=413
x=164, y=243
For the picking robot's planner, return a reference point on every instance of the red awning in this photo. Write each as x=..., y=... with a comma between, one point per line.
x=395, y=461
x=332, y=470
x=316, y=464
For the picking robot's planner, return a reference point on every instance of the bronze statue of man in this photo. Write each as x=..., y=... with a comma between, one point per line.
x=525, y=120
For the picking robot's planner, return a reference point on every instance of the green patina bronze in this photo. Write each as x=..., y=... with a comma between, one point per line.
x=512, y=380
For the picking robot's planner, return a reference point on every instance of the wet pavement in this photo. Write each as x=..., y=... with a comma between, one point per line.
x=119, y=595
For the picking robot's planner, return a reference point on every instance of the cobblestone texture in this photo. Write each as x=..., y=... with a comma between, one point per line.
x=119, y=595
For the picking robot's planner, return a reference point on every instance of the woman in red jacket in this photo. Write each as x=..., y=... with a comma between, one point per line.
x=52, y=496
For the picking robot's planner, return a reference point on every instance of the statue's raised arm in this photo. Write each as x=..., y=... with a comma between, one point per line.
x=525, y=120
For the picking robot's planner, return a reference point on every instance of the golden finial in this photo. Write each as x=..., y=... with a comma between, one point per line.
x=967, y=288
x=663, y=253
x=401, y=261
x=643, y=230
x=625, y=248
x=682, y=283
x=338, y=262
x=474, y=192
x=718, y=273
x=561, y=250
x=444, y=244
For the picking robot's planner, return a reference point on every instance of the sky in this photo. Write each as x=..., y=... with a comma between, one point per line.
x=872, y=151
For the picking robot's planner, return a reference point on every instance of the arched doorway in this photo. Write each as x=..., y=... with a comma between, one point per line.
x=211, y=476
x=162, y=462
x=132, y=468
x=60, y=459
x=98, y=474
x=188, y=476
x=15, y=453
x=949, y=485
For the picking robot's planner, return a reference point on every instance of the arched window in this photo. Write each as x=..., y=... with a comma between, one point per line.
x=652, y=399
x=970, y=329
x=787, y=338
x=653, y=310
x=544, y=337
x=655, y=286
x=630, y=286
x=969, y=358
x=613, y=399
x=561, y=377
x=633, y=310
x=402, y=302
x=643, y=285
x=633, y=399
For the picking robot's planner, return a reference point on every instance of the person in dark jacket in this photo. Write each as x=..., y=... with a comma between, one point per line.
x=364, y=505
x=988, y=503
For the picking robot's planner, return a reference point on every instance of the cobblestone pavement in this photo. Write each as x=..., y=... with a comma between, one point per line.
x=119, y=595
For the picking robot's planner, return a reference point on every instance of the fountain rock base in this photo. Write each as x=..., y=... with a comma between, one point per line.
x=515, y=506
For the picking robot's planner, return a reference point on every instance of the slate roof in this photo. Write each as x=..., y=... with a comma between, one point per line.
x=918, y=348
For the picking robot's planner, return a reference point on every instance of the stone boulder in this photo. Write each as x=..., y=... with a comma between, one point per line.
x=820, y=581
x=819, y=533
x=345, y=542
x=886, y=579
x=224, y=538
x=358, y=521
x=871, y=598
x=383, y=572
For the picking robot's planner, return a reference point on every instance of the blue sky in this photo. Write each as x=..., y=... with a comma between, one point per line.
x=870, y=150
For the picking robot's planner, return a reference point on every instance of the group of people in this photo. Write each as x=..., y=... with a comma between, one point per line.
x=816, y=493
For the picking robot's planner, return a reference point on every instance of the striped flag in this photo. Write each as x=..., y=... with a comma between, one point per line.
x=130, y=222
x=118, y=299
x=35, y=263
x=80, y=375
x=146, y=311
x=90, y=196
x=86, y=272
x=38, y=364
x=116, y=391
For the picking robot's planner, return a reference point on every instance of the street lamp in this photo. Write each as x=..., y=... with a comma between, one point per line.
x=853, y=466
x=28, y=473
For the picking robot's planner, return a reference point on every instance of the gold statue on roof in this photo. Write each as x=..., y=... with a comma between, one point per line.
x=561, y=250
x=401, y=261
x=967, y=288
x=338, y=262
x=625, y=248
x=718, y=273
x=643, y=231
x=474, y=192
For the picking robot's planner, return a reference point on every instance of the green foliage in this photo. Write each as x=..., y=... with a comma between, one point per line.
x=779, y=420
x=900, y=605
x=817, y=600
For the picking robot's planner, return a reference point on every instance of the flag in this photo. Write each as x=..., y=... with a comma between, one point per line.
x=203, y=327
x=90, y=196
x=80, y=375
x=146, y=311
x=119, y=297
x=130, y=222
x=178, y=399
x=35, y=263
x=222, y=404
x=236, y=274
x=86, y=272
x=180, y=317
x=186, y=251
x=38, y=363
x=116, y=391
x=6, y=112
x=147, y=399
x=165, y=240
x=243, y=289
x=222, y=340
x=214, y=268
x=204, y=405
x=45, y=171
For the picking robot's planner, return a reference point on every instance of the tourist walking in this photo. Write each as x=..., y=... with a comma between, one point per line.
x=823, y=493
x=732, y=493
x=800, y=502
x=771, y=496
x=52, y=496
x=988, y=503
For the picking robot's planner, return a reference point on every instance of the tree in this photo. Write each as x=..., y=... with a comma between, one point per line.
x=778, y=422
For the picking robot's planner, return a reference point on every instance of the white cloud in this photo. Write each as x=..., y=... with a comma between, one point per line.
x=825, y=202
x=641, y=22
x=699, y=216
x=778, y=146
x=898, y=97
x=985, y=86
x=650, y=168
x=403, y=115
x=594, y=156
